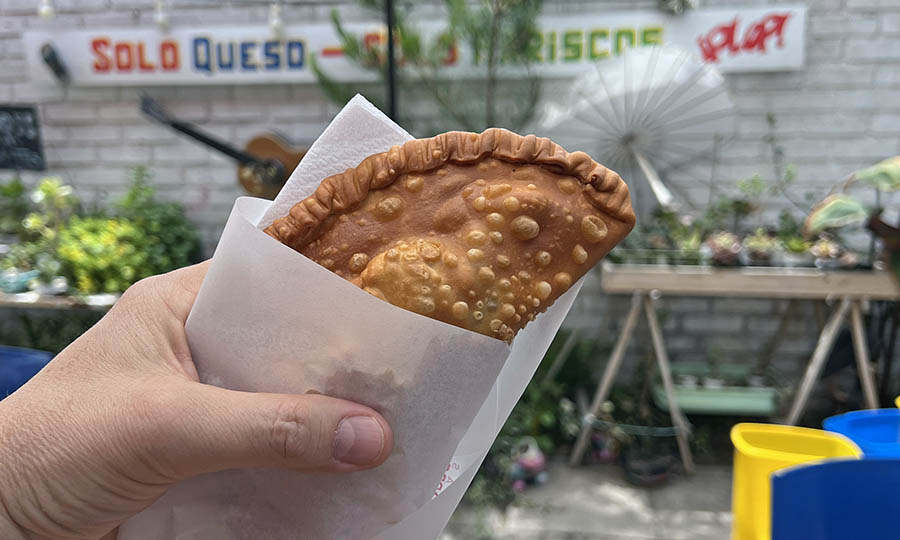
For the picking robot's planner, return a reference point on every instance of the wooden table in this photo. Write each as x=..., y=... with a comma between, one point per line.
x=647, y=283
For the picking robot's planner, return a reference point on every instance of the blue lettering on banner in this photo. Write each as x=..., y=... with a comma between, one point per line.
x=295, y=54
x=220, y=61
x=202, y=53
x=210, y=55
x=247, y=61
x=273, y=55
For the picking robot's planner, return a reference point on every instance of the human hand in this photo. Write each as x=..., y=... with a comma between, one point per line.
x=119, y=416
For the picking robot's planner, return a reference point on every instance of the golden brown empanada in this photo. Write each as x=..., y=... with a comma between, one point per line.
x=482, y=231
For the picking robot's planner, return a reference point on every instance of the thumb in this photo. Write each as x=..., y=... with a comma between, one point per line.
x=215, y=429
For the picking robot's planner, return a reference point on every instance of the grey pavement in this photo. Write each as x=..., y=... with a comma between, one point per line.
x=596, y=503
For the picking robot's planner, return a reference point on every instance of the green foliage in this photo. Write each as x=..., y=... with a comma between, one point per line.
x=53, y=204
x=170, y=240
x=13, y=206
x=147, y=237
x=545, y=412
x=761, y=242
x=838, y=210
x=98, y=253
x=884, y=176
x=499, y=33
x=103, y=255
x=796, y=244
x=49, y=331
x=35, y=255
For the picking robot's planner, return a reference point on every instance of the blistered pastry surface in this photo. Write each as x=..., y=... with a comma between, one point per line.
x=483, y=231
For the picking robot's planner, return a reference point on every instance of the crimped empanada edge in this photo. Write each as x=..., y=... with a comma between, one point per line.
x=344, y=191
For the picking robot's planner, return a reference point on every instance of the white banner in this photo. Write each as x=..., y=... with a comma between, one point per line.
x=738, y=39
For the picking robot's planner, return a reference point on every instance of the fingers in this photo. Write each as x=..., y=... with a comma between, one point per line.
x=225, y=429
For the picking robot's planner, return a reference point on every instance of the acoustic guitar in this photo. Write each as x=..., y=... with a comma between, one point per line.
x=263, y=165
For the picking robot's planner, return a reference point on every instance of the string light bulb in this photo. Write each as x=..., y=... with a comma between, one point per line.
x=276, y=23
x=46, y=9
x=161, y=16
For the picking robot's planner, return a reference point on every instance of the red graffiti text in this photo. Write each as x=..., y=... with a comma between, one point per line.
x=756, y=37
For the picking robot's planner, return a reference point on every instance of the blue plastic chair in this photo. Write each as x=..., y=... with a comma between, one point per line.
x=17, y=365
x=837, y=500
x=875, y=431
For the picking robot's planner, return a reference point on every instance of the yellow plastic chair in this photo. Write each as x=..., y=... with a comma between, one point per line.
x=761, y=449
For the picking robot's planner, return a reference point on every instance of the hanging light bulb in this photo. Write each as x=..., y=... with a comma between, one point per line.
x=46, y=9
x=161, y=16
x=276, y=23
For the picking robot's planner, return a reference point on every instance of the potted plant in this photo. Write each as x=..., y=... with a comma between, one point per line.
x=648, y=458
x=842, y=209
x=33, y=257
x=830, y=254
x=722, y=248
x=759, y=248
x=794, y=252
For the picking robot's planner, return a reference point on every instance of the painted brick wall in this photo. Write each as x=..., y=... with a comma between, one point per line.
x=840, y=113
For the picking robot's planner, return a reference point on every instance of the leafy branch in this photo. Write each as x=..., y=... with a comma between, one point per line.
x=500, y=34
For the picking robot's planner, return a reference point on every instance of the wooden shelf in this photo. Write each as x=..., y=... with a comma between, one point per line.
x=762, y=282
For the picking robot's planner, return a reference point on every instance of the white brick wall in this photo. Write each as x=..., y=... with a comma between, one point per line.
x=840, y=113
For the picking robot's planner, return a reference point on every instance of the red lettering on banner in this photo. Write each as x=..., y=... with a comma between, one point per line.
x=724, y=37
x=759, y=33
x=452, y=56
x=100, y=47
x=168, y=52
x=143, y=64
x=124, y=56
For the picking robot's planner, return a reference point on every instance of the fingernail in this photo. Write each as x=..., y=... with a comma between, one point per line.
x=359, y=440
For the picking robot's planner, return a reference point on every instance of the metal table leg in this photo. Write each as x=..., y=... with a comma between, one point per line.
x=861, y=348
x=662, y=359
x=820, y=354
x=609, y=375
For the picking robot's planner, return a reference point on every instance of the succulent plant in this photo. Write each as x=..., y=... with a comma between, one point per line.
x=796, y=244
x=761, y=243
x=826, y=248
x=723, y=248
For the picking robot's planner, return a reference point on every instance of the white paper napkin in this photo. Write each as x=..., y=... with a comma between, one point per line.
x=269, y=319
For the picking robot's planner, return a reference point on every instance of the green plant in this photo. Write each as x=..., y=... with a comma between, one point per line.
x=826, y=248
x=839, y=210
x=53, y=204
x=13, y=206
x=796, y=244
x=499, y=33
x=761, y=243
x=545, y=412
x=724, y=247
x=790, y=233
x=103, y=255
x=50, y=331
x=171, y=240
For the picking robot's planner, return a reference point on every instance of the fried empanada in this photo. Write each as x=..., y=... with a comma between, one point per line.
x=482, y=231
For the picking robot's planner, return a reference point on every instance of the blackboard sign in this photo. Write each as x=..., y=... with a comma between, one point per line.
x=20, y=139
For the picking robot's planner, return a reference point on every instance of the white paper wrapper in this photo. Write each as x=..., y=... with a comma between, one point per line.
x=269, y=319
